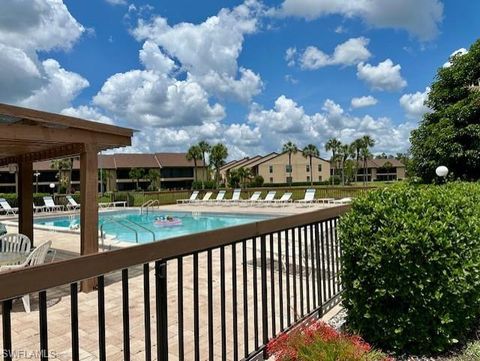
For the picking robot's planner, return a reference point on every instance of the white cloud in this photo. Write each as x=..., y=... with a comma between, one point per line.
x=365, y=101
x=287, y=120
x=145, y=97
x=60, y=89
x=242, y=134
x=88, y=113
x=154, y=59
x=38, y=24
x=351, y=52
x=414, y=104
x=459, y=52
x=117, y=2
x=384, y=76
x=208, y=51
x=290, y=56
x=419, y=18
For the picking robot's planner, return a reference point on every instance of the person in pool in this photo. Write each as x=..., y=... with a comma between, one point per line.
x=165, y=218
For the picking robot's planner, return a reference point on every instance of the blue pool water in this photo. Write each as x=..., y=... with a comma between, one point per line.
x=129, y=225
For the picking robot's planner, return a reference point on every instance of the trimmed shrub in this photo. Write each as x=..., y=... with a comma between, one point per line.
x=257, y=181
x=209, y=184
x=411, y=266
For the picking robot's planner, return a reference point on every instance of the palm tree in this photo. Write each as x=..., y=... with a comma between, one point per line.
x=244, y=174
x=367, y=142
x=136, y=174
x=205, y=148
x=357, y=146
x=290, y=148
x=345, y=151
x=153, y=176
x=64, y=167
x=218, y=154
x=309, y=152
x=194, y=153
x=333, y=145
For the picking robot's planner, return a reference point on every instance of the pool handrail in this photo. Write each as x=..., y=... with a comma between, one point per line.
x=111, y=220
x=143, y=227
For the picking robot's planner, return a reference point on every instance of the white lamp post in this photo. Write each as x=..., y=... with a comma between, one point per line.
x=36, y=174
x=442, y=172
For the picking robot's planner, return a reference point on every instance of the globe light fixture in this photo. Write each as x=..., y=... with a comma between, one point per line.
x=442, y=171
x=52, y=185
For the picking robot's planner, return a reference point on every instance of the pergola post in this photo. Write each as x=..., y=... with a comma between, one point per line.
x=89, y=206
x=25, y=199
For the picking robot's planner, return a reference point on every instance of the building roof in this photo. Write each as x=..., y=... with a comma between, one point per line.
x=267, y=158
x=135, y=160
x=262, y=159
x=234, y=164
x=176, y=160
x=247, y=162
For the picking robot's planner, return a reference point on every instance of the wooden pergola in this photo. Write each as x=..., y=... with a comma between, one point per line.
x=28, y=136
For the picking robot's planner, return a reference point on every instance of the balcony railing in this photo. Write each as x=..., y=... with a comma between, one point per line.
x=215, y=295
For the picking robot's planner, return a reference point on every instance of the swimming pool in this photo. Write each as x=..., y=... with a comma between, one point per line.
x=131, y=226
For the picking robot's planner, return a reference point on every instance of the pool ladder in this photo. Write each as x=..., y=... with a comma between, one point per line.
x=111, y=220
x=150, y=203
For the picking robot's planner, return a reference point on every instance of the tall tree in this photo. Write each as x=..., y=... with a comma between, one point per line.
x=218, y=154
x=357, y=146
x=450, y=134
x=194, y=153
x=367, y=142
x=290, y=148
x=153, y=176
x=64, y=167
x=205, y=148
x=309, y=152
x=345, y=151
x=333, y=145
x=136, y=174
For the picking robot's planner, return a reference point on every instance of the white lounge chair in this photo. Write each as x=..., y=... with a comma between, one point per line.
x=37, y=209
x=220, y=197
x=14, y=243
x=7, y=208
x=36, y=257
x=72, y=203
x=204, y=200
x=235, y=197
x=254, y=198
x=192, y=198
x=50, y=204
x=345, y=200
x=268, y=198
x=284, y=200
x=309, y=197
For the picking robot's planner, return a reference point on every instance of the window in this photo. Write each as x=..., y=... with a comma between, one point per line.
x=270, y=168
x=288, y=168
x=319, y=178
x=271, y=180
x=319, y=167
x=307, y=168
x=289, y=180
x=308, y=178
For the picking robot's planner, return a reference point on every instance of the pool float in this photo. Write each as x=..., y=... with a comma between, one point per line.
x=167, y=221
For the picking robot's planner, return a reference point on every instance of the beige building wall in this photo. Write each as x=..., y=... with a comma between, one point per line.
x=275, y=169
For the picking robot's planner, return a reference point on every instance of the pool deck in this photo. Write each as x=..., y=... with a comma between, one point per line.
x=67, y=245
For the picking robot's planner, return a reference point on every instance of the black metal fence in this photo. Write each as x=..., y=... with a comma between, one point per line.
x=220, y=295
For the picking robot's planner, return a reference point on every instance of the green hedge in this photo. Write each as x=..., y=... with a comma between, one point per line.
x=411, y=266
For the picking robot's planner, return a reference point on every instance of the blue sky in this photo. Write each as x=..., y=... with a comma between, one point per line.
x=247, y=73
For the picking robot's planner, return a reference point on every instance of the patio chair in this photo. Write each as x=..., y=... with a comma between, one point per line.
x=7, y=208
x=36, y=257
x=14, y=242
x=38, y=209
x=204, y=200
x=72, y=203
x=345, y=200
x=235, y=197
x=254, y=198
x=268, y=198
x=50, y=204
x=309, y=197
x=284, y=200
x=192, y=198
x=220, y=197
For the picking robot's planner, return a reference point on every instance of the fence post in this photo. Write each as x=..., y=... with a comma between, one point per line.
x=161, y=310
x=263, y=256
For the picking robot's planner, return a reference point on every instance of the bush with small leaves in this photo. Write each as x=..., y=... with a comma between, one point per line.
x=411, y=266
